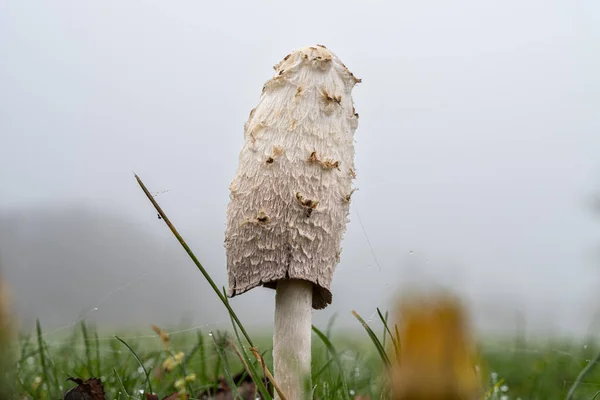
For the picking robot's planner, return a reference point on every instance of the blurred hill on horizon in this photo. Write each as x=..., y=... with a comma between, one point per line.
x=72, y=261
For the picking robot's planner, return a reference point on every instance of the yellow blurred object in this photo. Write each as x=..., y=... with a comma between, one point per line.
x=7, y=367
x=436, y=355
x=5, y=315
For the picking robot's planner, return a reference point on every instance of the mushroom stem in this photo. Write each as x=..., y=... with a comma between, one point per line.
x=292, y=338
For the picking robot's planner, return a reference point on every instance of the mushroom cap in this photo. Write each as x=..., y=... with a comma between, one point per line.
x=290, y=198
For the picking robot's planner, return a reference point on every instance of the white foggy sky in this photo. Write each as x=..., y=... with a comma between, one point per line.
x=478, y=144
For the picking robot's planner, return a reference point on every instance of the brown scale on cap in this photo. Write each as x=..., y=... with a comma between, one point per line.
x=327, y=164
x=308, y=204
x=277, y=151
x=348, y=197
x=261, y=219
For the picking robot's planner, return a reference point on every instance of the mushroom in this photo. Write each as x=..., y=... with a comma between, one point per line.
x=289, y=200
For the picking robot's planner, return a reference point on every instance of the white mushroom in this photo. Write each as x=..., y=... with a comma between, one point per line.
x=290, y=199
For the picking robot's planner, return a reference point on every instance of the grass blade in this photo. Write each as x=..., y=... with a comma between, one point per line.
x=374, y=339
x=226, y=368
x=336, y=357
x=582, y=375
x=323, y=369
x=194, y=259
x=267, y=373
x=247, y=362
x=191, y=354
x=86, y=344
x=139, y=362
x=251, y=370
x=42, y=353
x=395, y=339
x=202, y=354
x=98, y=369
x=330, y=324
x=385, y=326
x=121, y=383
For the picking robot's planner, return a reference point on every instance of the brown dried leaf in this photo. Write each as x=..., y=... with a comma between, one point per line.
x=91, y=389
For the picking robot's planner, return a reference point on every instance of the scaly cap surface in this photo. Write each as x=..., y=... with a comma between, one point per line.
x=290, y=198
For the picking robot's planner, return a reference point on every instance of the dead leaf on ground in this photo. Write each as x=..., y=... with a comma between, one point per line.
x=91, y=389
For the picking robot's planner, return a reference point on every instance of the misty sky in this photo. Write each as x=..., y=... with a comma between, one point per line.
x=477, y=151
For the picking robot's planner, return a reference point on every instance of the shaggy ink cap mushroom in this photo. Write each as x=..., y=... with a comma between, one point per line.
x=290, y=199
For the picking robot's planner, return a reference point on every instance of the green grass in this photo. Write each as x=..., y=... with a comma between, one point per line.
x=529, y=372
x=343, y=366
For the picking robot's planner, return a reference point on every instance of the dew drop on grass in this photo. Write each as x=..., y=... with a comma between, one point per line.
x=352, y=392
x=494, y=377
x=140, y=370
